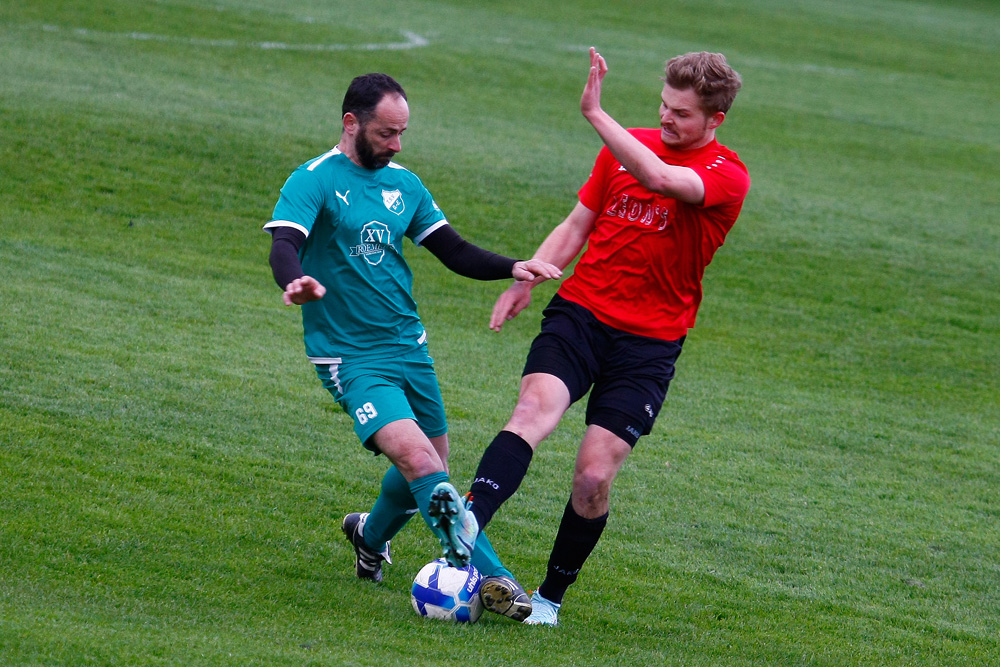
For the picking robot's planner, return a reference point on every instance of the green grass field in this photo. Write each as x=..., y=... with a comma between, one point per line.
x=821, y=488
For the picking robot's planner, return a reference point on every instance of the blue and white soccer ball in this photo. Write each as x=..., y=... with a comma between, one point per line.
x=448, y=593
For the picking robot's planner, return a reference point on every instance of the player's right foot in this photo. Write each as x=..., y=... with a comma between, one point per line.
x=368, y=564
x=455, y=527
x=543, y=612
x=503, y=595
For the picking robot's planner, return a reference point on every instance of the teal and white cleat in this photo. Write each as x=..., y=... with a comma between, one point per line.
x=543, y=612
x=455, y=527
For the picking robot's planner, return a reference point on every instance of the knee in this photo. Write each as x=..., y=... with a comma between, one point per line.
x=535, y=417
x=536, y=397
x=529, y=410
x=591, y=490
x=418, y=462
x=590, y=481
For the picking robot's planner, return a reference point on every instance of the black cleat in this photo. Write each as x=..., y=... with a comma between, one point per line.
x=369, y=561
x=503, y=595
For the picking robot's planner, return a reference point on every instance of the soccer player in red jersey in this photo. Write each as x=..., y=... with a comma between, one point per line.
x=658, y=204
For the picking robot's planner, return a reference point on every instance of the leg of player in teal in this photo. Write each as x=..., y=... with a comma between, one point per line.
x=371, y=532
x=394, y=506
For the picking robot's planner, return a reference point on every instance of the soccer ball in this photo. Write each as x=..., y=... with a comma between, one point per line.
x=446, y=592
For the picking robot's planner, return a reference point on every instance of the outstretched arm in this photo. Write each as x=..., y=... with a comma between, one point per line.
x=679, y=182
x=559, y=248
x=471, y=261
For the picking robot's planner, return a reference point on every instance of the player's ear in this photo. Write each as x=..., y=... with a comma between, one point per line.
x=715, y=120
x=351, y=123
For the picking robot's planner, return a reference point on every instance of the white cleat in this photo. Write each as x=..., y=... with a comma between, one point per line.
x=543, y=612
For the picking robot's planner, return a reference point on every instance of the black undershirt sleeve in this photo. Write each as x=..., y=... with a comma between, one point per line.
x=284, y=258
x=467, y=259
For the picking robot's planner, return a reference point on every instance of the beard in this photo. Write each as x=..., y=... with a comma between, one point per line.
x=367, y=156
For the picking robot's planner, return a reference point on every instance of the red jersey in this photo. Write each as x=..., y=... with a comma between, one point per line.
x=642, y=269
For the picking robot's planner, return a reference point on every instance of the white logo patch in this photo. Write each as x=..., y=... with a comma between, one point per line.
x=375, y=237
x=393, y=200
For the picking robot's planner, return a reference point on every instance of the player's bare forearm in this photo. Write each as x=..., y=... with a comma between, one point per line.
x=651, y=172
x=512, y=301
x=565, y=242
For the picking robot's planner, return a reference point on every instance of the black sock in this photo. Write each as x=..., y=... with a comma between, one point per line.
x=576, y=538
x=501, y=470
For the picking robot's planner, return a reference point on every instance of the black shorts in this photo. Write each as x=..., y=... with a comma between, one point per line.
x=627, y=375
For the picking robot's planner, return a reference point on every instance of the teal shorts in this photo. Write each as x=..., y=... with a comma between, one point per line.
x=376, y=392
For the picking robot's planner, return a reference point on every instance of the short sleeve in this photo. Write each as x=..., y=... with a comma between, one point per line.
x=726, y=180
x=592, y=192
x=299, y=203
x=427, y=217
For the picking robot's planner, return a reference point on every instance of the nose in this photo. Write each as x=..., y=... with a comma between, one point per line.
x=395, y=144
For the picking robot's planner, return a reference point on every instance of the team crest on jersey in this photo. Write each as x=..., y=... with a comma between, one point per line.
x=393, y=200
x=375, y=237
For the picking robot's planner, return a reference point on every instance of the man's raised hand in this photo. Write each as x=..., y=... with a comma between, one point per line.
x=590, y=102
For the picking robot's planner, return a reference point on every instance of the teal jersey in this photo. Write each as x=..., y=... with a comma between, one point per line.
x=354, y=220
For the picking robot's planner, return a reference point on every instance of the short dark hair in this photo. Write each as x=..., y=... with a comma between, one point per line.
x=366, y=91
x=709, y=75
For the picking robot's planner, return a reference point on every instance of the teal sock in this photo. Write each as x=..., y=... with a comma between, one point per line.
x=486, y=560
x=392, y=509
x=421, y=489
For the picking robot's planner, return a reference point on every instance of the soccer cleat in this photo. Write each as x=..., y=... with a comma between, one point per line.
x=455, y=527
x=503, y=595
x=369, y=561
x=543, y=612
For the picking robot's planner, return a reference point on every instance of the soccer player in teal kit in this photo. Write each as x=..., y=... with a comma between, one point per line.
x=337, y=251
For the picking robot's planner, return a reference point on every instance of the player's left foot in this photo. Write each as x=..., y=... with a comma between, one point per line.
x=455, y=527
x=368, y=562
x=503, y=595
